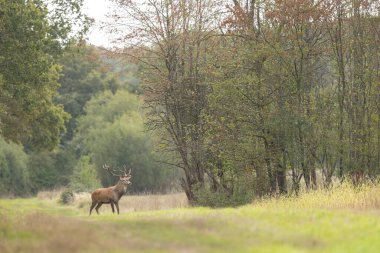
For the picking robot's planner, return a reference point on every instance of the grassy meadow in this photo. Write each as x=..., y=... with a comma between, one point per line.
x=342, y=220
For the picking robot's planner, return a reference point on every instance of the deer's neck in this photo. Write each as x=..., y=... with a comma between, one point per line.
x=120, y=189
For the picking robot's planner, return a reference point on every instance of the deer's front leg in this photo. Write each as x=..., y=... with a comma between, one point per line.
x=112, y=206
x=92, y=207
x=117, y=207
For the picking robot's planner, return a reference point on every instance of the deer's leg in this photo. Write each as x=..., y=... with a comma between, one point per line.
x=92, y=207
x=113, y=209
x=98, y=206
x=117, y=207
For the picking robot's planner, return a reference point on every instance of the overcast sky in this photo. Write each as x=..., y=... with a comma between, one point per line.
x=97, y=9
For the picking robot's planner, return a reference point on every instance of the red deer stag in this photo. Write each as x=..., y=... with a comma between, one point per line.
x=111, y=195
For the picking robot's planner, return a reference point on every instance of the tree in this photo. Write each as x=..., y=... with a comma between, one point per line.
x=262, y=96
x=112, y=132
x=299, y=35
x=170, y=38
x=83, y=76
x=29, y=42
x=354, y=40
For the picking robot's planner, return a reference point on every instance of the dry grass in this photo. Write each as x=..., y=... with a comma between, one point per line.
x=340, y=220
x=42, y=233
x=342, y=196
x=128, y=203
x=136, y=203
x=154, y=202
x=50, y=195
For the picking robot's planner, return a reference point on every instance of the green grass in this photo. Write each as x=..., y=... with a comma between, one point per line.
x=310, y=223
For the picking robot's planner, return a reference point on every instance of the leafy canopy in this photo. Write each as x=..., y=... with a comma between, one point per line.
x=31, y=38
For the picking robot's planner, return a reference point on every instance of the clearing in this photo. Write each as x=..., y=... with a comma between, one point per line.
x=343, y=221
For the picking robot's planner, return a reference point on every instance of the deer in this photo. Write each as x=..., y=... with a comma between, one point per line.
x=111, y=195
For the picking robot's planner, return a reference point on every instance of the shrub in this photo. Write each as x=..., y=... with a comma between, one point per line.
x=67, y=197
x=84, y=178
x=221, y=198
x=14, y=175
x=43, y=175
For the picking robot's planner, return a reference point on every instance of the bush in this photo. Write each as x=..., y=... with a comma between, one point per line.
x=14, y=176
x=84, y=178
x=67, y=197
x=50, y=170
x=221, y=198
x=43, y=175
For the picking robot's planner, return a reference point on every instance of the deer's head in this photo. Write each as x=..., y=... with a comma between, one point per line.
x=124, y=177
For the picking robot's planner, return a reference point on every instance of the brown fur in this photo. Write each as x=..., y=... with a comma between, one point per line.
x=110, y=195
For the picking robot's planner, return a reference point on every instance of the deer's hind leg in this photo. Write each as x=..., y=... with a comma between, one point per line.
x=92, y=207
x=98, y=206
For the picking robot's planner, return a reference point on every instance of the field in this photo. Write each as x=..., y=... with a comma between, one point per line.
x=342, y=220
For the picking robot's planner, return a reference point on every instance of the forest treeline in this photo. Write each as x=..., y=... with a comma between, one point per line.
x=67, y=108
x=260, y=97
x=247, y=98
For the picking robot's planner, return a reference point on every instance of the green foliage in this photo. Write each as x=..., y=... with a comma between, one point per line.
x=67, y=197
x=29, y=76
x=43, y=173
x=34, y=35
x=66, y=16
x=49, y=170
x=126, y=73
x=22, y=174
x=64, y=162
x=86, y=73
x=14, y=176
x=112, y=132
x=84, y=177
x=222, y=198
x=83, y=76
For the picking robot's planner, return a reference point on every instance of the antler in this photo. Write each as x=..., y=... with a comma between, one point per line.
x=129, y=172
x=113, y=171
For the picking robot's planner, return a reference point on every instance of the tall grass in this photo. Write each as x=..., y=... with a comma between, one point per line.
x=128, y=203
x=342, y=196
x=311, y=222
